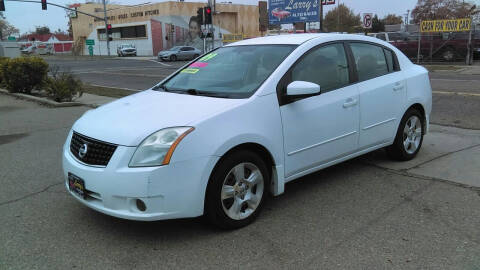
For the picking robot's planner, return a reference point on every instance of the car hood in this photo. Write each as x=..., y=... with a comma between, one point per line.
x=166, y=52
x=128, y=121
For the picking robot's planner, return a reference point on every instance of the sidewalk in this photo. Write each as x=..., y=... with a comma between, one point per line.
x=448, y=154
x=88, y=100
x=94, y=100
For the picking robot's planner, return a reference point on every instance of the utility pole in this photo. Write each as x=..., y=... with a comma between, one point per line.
x=321, y=15
x=106, y=26
x=338, y=15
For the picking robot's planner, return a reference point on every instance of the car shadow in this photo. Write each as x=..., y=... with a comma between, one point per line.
x=178, y=229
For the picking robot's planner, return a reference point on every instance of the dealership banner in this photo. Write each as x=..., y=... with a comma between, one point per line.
x=291, y=11
x=455, y=25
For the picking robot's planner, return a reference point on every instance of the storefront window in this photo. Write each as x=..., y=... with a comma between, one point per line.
x=138, y=31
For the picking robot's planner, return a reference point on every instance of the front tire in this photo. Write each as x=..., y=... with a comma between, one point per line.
x=409, y=138
x=236, y=190
x=173, y=58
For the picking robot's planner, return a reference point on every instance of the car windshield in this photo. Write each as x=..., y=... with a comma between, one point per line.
x=232, y=72
x=176, y=48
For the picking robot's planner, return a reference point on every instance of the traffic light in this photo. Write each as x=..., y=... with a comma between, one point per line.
x=109, y=29
x=200, y=17
x=208, y=15
x=2, y=5
x=44, y=4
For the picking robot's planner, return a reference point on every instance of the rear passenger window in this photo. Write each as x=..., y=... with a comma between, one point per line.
x=389, y=56
x=326, y=66
x=370, y=60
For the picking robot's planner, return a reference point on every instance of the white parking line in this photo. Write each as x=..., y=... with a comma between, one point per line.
x=456, y=93
x=80, y=71
x=161, y=63
x=104, y=86
x=454, y=80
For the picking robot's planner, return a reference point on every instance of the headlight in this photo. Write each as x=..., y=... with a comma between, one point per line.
x=157, y=149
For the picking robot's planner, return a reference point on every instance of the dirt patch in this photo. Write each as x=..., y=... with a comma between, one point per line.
x=4, y=139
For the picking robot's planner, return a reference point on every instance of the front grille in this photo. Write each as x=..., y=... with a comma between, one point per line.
x=98, y=153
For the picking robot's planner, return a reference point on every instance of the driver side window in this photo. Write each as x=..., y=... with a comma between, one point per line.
x=326, y=66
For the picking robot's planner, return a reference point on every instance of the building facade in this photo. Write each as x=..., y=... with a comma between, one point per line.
x=159, y=26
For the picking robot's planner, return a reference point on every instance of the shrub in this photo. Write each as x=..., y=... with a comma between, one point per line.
x=63, y=86
x=23, y=74
x=3, y=61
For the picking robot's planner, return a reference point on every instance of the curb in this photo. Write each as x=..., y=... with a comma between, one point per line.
x=44, y=101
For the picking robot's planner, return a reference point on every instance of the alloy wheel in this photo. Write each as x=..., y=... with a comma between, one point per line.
x=242, y=191
x=412, y=134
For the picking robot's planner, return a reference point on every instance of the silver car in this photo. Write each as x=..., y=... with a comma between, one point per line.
x=126, y=49
x=179, y=53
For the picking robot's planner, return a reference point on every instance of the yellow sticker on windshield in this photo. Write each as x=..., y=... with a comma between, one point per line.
x=207, y=57
x=190, y=70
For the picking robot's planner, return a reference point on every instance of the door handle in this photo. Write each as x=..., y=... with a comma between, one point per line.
x=398, y=86
x=350, y=102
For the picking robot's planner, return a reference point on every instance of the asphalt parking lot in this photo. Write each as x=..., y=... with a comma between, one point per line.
x=367, y=213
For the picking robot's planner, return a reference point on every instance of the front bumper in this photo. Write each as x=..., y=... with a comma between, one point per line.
x=176, y=190
x=129, y=53
x=163, y=57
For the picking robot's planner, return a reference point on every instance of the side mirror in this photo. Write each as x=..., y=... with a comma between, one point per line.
x=302, y=88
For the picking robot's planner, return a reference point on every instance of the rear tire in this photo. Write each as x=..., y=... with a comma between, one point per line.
x=236, y=190
x=409, y=138
x=195, y=56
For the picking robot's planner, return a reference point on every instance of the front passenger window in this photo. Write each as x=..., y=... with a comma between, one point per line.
x=326, y=66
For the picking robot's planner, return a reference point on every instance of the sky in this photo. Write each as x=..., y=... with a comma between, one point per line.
x=25, y=16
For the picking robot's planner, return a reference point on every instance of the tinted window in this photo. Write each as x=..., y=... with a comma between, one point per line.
x=381, y=36
x=326, y=66
x=370, y=60
x=389, y=57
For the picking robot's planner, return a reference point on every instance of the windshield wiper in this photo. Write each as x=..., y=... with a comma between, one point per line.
x=196, y=92
x=192, y=91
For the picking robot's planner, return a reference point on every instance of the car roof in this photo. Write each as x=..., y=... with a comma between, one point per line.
x=297, y=39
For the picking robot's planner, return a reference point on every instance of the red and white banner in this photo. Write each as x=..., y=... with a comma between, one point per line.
x=328, y=2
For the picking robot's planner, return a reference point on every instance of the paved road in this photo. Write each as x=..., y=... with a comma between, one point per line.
x=119, y=72
x=368, y=213
x=460, y=110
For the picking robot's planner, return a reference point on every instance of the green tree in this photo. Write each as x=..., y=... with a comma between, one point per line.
x=341, y=19
x=377, y=24
x=441, y=9
x=42, y=30
x=6, y=29
x=392, y=19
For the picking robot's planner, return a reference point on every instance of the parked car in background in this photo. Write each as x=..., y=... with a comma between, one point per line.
x=38, y=48
x=442, y=46
x=29, y=50
x=179, y=53
x=126, y=49
x=217, y=135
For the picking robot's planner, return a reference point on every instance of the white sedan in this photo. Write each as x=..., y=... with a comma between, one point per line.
x=218, y=135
